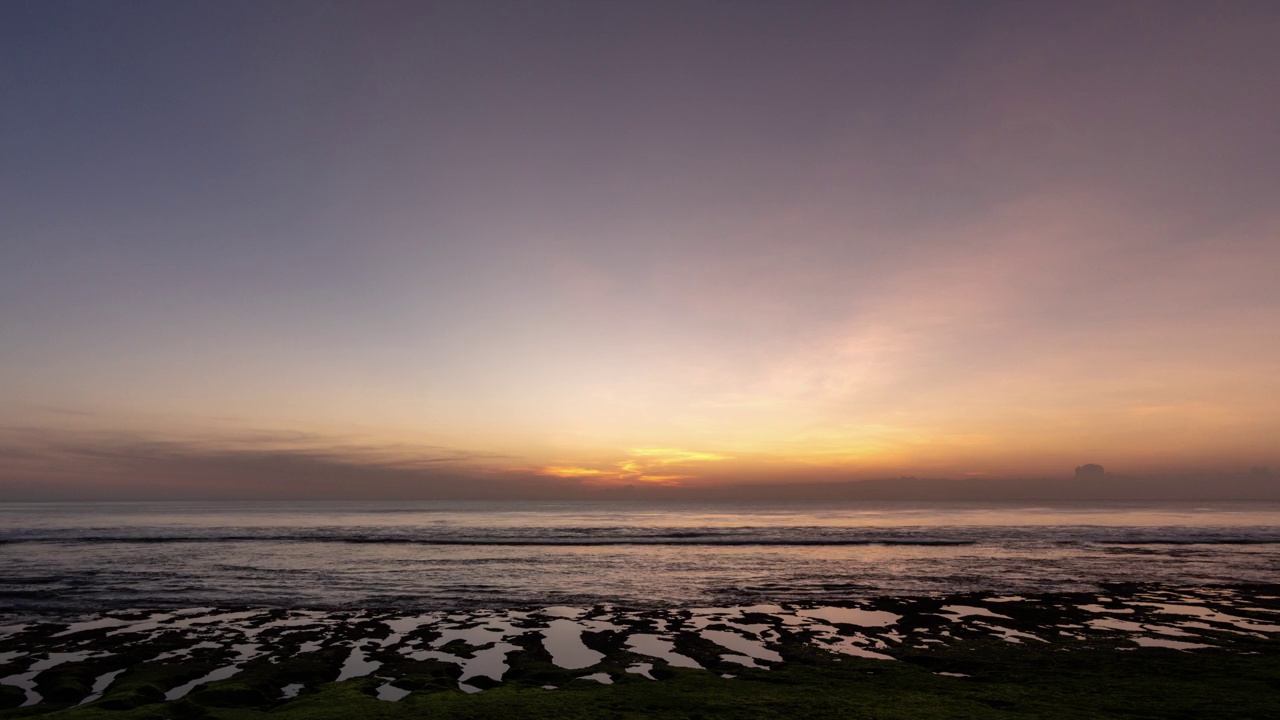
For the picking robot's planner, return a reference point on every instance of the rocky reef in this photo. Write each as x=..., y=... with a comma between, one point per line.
x=1129, y=651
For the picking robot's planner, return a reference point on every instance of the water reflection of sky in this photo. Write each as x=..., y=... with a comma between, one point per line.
x=485, y=644
x=433, y=555
x=17, y=516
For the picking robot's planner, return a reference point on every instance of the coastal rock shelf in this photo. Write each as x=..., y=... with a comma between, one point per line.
x=246, y=657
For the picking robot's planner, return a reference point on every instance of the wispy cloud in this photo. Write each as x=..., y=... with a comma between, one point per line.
x=51, y=464
x=643, y=465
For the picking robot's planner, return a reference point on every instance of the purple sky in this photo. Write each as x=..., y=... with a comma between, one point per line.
x=606, y=243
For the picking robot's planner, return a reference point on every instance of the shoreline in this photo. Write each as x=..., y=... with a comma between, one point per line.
x=229, y=661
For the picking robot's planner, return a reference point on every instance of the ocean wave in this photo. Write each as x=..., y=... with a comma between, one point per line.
x=497, y=541
x=1191, y=541
x=683, y=539
x=664, y=534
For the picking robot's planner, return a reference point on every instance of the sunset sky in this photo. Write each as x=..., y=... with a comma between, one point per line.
x=306, y=244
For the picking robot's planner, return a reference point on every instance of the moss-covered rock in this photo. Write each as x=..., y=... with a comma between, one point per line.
x=230, y=695
x=944, y=668
x=1004, y=681
x=11, y=697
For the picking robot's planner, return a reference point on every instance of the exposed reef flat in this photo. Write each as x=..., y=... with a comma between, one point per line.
x=1129, y=651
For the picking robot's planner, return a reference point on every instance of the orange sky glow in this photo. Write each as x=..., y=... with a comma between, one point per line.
x=765, y=248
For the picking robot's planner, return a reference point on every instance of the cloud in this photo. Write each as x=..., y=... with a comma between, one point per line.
x=44, y=464
x=674, y=456
x=645, y=465
x=568, y=472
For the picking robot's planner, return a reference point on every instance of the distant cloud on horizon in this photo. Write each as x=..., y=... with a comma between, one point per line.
x=43, y=465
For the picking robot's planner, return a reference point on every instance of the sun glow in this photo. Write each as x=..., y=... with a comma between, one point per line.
x=646, y=465
x=569, y=472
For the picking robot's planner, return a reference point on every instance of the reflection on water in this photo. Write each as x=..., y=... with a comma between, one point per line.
x=52, y=517
x=484, y=645
x=244, y=653
x=443, y=555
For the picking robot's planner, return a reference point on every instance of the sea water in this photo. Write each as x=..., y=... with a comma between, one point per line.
x=450, y=555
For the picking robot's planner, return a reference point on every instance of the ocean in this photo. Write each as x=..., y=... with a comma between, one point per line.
x=82, y=557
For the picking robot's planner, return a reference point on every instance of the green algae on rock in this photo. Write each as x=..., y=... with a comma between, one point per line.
x=1131, y=651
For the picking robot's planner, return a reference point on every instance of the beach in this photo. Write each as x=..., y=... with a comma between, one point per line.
x=581, y=610
x=1129, y=651
x=694, y=360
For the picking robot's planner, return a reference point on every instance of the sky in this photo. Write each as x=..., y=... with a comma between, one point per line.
x=317, y=248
